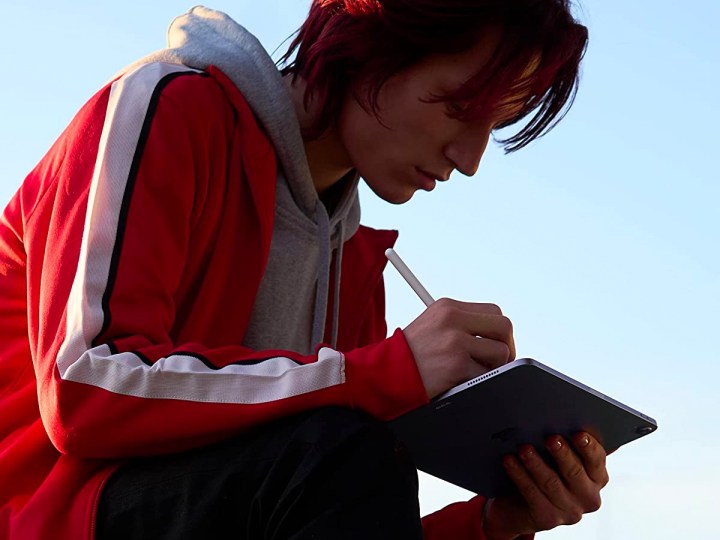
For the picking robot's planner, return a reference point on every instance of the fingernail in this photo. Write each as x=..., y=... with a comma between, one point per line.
x=584, y=441
x=554, y=444
x=527, y=453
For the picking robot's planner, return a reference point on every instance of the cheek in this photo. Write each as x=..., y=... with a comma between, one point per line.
x=372, y=152
x=367, y=142
x=386, y=151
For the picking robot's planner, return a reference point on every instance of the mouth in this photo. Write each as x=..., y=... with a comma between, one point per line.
x=428, y=179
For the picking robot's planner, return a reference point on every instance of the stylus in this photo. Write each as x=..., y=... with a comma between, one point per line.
x=405, y=272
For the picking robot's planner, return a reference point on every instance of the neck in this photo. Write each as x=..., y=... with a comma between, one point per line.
x=326, y=155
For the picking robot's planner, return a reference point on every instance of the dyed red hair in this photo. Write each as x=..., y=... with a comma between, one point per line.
x=343, y=42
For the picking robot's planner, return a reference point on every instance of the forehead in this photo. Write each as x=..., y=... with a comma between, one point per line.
x=457, y=68
x=462, y=76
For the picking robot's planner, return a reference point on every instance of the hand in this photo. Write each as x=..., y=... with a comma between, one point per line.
x=547, y=498
x=445, y=342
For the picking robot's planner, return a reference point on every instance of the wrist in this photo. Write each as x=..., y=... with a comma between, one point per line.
x=493, y=526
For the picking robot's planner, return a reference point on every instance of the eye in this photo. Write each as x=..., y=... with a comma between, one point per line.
x=456, y=107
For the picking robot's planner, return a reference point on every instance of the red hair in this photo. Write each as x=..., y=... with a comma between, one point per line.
x=343, y=42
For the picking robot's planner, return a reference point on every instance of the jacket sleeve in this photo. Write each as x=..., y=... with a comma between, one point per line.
x=109, y=221
x=460, y=521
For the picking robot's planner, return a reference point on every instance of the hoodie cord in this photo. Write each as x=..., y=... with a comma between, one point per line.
x=323, y=279
x=336, y=292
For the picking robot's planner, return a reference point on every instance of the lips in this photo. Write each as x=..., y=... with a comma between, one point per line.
x=434, y=176
x=428, y=179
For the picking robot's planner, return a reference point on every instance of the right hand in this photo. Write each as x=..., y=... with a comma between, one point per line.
x=453, y=342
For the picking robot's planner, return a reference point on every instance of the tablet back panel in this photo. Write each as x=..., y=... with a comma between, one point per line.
x=461, y=436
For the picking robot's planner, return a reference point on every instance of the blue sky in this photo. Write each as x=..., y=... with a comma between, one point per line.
x=600, y=241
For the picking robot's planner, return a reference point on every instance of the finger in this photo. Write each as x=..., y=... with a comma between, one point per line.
x=489, y=353
x=551, y=485
x=471, y=307
x=545, y=515
x=574, y=474
x=484, y=325
x=483, y=320
x=593, y=456
x=526, y=486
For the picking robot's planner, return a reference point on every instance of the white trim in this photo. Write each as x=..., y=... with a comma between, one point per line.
x=189, y=379
x=177, y=376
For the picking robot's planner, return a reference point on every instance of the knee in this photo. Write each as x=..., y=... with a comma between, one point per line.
x=356, y=443
x=344, y=473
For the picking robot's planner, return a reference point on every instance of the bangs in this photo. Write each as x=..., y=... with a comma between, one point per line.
x=535, y=82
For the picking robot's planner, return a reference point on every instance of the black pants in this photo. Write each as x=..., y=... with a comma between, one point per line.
x=330, y=474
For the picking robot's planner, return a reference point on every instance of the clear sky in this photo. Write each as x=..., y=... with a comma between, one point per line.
x=600, y=241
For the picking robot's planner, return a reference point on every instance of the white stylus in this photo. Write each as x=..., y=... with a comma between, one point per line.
x=405, y=272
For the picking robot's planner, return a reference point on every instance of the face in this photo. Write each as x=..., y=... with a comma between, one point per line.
x=414, y=144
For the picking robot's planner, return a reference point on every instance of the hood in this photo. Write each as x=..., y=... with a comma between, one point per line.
x=202, y=37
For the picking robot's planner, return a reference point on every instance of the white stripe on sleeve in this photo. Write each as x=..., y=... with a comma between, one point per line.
x=178, y=376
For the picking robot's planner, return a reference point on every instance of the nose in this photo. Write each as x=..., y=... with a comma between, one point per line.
x=467, y=149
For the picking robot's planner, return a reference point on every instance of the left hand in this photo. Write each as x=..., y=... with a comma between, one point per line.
x=547, y=498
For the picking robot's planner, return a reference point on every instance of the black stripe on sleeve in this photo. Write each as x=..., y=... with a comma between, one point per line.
x=127, y=196
x=248, y=362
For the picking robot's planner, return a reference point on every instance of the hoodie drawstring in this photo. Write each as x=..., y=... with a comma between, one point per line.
x=323, y=279
x=336, y=292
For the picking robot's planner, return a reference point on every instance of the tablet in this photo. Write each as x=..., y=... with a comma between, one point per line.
x=462, y=435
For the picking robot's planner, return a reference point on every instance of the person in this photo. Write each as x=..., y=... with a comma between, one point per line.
x=194, y=342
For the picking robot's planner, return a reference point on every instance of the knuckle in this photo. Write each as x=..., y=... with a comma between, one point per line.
x=576, y=471
x=493, y=309
x=443, y=321
x=605, y=480
x=573, y=516
x=447, y=315
x=507, y=325
x=594, y=503
x=547, y=521
x=456, y=340
x=551, y=484
x=529, y=490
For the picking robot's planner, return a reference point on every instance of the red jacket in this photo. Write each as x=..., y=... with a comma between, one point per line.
x=129, y=261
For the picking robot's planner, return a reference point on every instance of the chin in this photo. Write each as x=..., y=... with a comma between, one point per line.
x=392, y=194
x=395, y=197
x=402, y=200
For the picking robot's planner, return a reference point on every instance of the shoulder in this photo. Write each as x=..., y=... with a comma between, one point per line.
x=186, y=93
x=158, y=77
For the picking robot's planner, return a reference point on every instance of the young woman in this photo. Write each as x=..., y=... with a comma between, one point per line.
x=194, y=343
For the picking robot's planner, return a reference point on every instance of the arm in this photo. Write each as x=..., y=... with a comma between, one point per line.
x=447, y=351
x=462, y=520
x=114, y=377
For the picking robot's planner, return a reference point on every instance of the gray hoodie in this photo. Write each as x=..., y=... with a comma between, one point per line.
x=291, y=306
